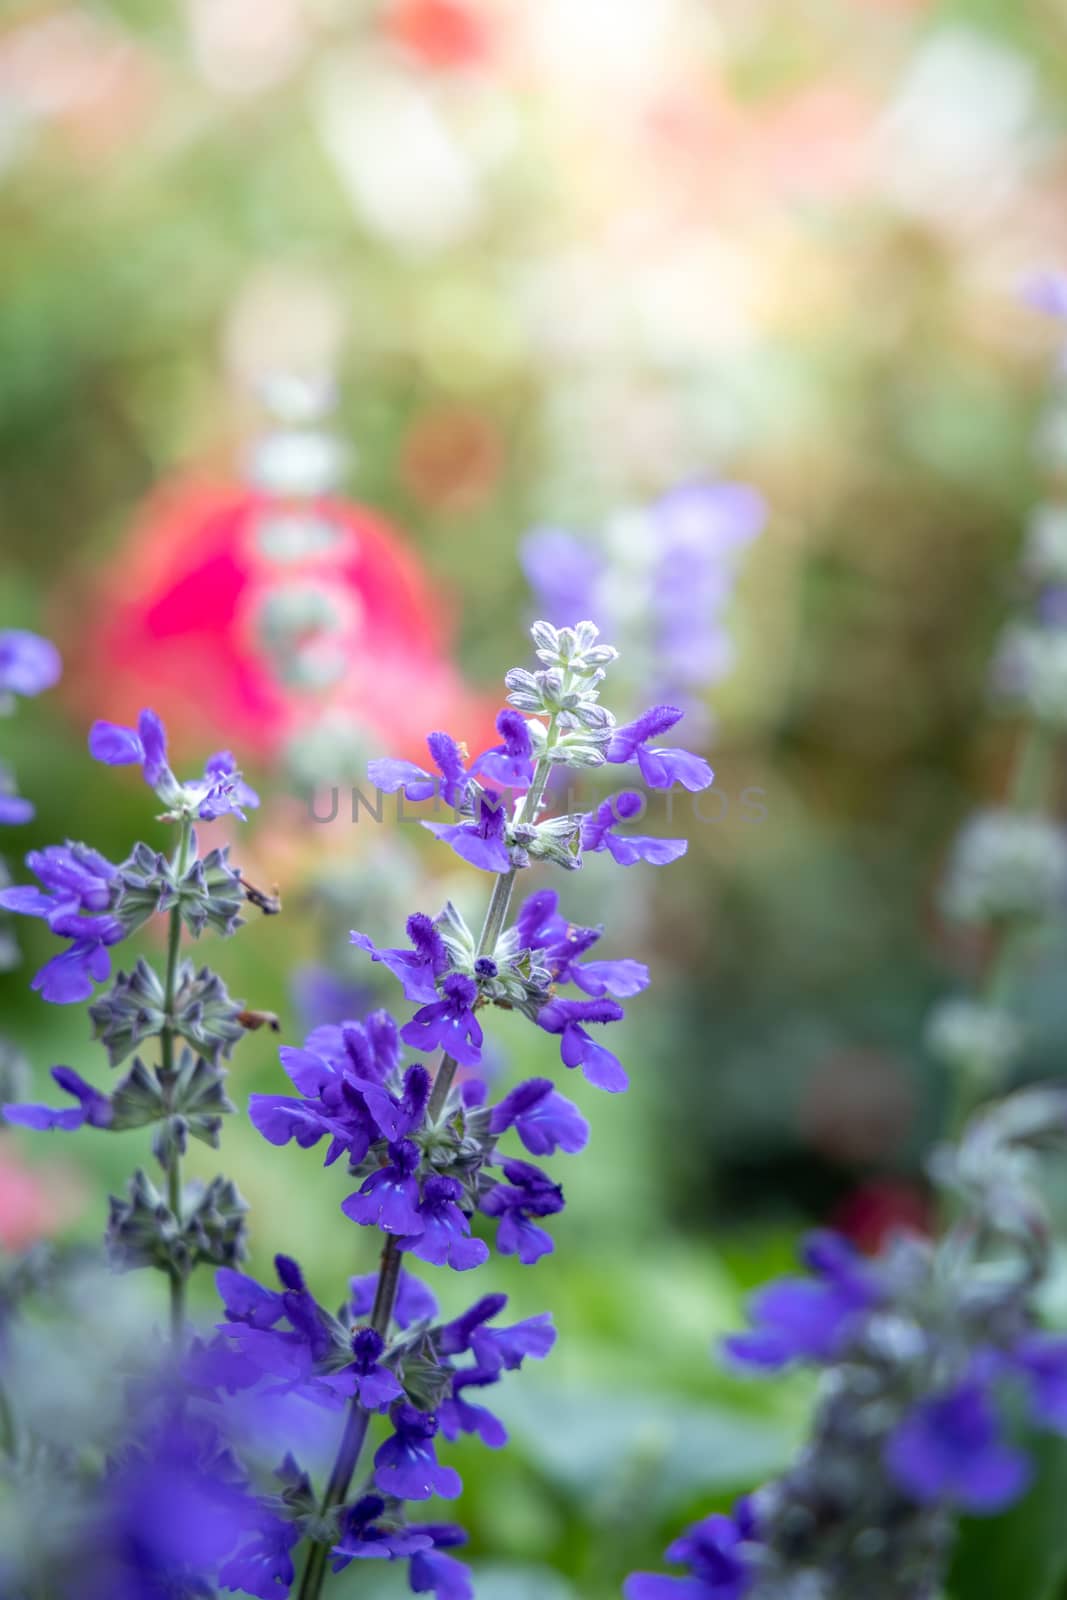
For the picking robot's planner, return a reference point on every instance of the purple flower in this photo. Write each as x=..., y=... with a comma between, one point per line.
x=808, y=1319
x=397, y=1116
x=458, y=1415
x=361, y=1538
x=406, y=1464
x=418, y=968
x=93, y=1109
x=28, y=663
x=414, y=1301
x=417, y=784
x=374, y=1384
x=712, y=1552
x=539, y=926
x=220, y=792
x=527, y=1193
x=576, y=1048
x=389, y=1198
x=660, y=768
x=511, y=762
x=627, y=849
x=950, y=1448
x=254, y=1347
x=496, y=1349
x=78, y=887
x=431, y=1572
x=1041, y=1360
x=449, y=1024
x=483, y=843
x=564, y=573
x=544, y=1120
x=264, y=1566
x=445, y=1238
x=338, y=1075
x=454, y=1338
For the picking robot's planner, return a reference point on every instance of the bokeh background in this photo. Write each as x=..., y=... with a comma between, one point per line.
x=531, y=264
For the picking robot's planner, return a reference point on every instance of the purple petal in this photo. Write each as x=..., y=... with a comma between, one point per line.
x=115, y=745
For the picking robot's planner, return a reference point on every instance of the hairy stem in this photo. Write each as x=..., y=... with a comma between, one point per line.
x=166, y=1050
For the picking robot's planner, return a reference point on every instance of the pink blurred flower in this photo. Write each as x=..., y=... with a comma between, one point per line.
x=228, y=635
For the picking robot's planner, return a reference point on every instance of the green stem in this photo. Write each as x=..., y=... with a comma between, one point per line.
x=357, y=1421
x=167, y=1076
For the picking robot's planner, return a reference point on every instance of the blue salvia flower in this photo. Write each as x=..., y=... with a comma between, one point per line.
x=425, y=1151
x=94, y=905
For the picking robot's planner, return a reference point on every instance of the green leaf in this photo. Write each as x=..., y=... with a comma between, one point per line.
x=1022, y=1553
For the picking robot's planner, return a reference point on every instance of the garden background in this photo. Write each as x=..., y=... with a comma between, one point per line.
x=552, y=258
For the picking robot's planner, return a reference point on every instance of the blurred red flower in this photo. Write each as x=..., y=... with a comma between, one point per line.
x=212, y=614
x=32, y=1203
x=443, y=34
x=873, y=1211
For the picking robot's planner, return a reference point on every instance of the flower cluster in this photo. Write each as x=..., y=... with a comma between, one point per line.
x=936, y=1371
x=93, y=905
x=934, y=1366
x=426, y=1152
x=661, y=577
x=28, y=665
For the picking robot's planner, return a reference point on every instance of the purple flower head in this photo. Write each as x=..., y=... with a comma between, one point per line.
x=93, y=1109
x=28, y=663
x=712, y=1550
x=247, y=1301
x=661, y=768
x=452, y=783
x=418, y=968
x=389, y=1198
x=264, y=1566
x=174, y=1504
x=374, y=1384
x=1041, y=1360
x=950, y=1448
x=544, y=1120
x=481, y=842
x=576, y=1048
x=397, y=1117
x=362, y=1538
x=339, y=1074
x=528, y=1193
x=449, y=1024
x=510, y=763
x=432, y=1572
x=808, y=1319
x=459, y=1415
x=220, y=792
x=414, y=1301
x=709, y=520
x=539, y=926
x=626, y=850
x=406, y=1464
x=445, y=1238
x=497, y=1350
x=564, y=573
x=454, y=1338
x=77, y=890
